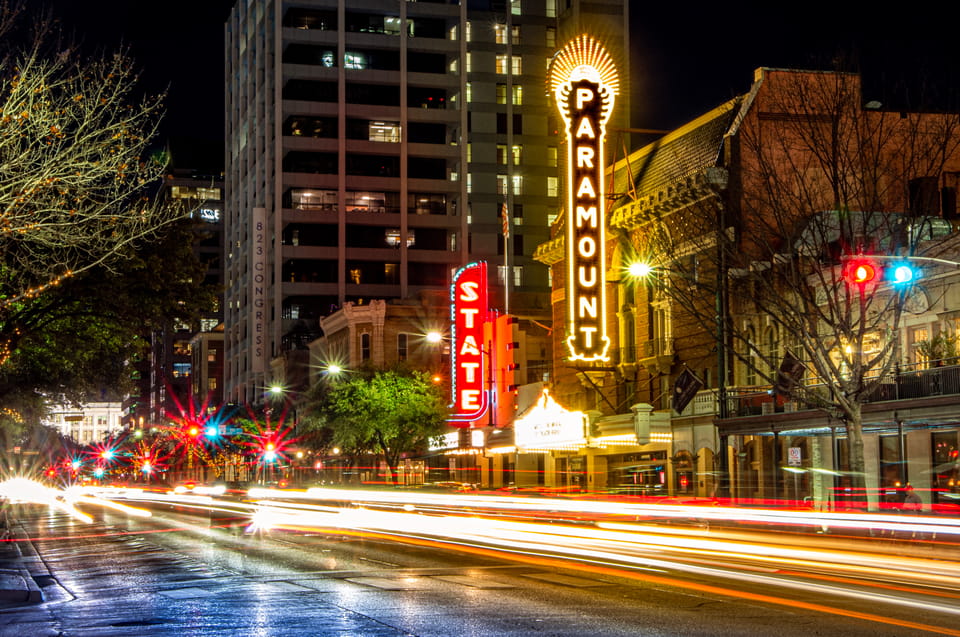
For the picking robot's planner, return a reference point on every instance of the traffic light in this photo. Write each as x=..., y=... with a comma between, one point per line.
x=903, y=273
x=861, y=271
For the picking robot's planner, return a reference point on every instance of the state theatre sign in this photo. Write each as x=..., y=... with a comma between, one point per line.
x=469, y=359
x=583, y=81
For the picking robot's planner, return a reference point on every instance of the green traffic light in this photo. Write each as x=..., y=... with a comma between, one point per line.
x=904, y=273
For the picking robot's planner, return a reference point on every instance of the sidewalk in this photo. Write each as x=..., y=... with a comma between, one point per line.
x=18, y=564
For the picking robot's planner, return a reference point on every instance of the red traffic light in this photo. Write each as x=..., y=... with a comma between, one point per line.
x=861, y=272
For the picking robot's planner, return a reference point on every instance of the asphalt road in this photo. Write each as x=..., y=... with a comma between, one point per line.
x=175, y=574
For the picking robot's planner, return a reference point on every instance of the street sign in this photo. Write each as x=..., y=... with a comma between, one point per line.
x=793, y=456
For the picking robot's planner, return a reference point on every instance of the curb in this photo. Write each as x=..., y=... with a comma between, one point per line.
x=18, y=565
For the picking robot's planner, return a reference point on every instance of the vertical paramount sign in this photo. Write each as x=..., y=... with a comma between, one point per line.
x=583, y=81
x=468, y=358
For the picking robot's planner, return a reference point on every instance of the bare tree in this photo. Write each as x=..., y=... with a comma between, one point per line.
x=817, y=182
x=76, y=177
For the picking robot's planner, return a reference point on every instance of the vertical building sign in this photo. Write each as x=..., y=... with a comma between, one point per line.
x=468, y=353
x=258, y=292
x=584, y=82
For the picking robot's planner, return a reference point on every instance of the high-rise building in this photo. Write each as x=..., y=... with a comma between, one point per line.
x=374, y=147
x=172, y=373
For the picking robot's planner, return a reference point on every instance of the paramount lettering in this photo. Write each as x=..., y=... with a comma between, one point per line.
x=584, y=99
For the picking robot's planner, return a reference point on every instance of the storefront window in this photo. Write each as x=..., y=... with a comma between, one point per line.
x=945, y=477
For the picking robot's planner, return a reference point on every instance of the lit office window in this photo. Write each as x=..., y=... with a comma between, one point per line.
x=469, y=91
x=551, y=8
x=515, y=8
x=467, y=29
x=551, y=37
x=517, y=95
x=518, y=184
x=501, y=93
x=502, y=154
x=515, y=34
x=503, y=62
x=517, y=153
x=391, y=25
x=501, y=184
x=551, y=155
x=552, y=187
x=385, y=132
x=354, y=60
x=517, y=65
x=500, y=33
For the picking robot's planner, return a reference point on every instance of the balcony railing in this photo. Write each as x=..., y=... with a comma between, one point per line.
x=902, y=384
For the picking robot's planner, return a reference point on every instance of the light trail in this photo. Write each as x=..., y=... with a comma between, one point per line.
x=660, y=544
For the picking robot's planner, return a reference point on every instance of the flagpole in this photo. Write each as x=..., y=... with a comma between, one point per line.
x=506, y=259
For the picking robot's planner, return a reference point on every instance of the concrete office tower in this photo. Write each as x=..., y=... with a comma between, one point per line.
x=371, y=148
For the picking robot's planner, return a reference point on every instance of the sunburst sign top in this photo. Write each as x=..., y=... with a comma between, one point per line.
x=583, y=58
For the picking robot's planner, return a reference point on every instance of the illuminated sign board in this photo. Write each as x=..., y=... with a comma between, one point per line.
x=584, y=82
x=547, y=424
x=469, y=311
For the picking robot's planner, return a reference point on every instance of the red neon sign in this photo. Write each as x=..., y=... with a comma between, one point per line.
x=469, y=356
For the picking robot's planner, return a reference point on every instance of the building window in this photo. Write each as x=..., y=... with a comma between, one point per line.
x=551, y=8
x=501, y=184
x=502, y=154
x=503, y=62
x=402, y=339
x=467, y=30
x=501, y=93
x=364, y=347
x=919, y=338
x=750, y=359
x=551, y=36
x=385, y=132
x=469, y=182
x=469, y=92
x=515, y=8
x=212, y=384
x=516, y=65
x=353, y=60
x=518, y=184
x=211, y=356
x=355, y=275
x=469, y=61
x=517, y=95
x=552, y=186
x=517, y=124
x=500, y=33
x=501, y=123
x=515, y=34
x=517, y=153
x=552, y=156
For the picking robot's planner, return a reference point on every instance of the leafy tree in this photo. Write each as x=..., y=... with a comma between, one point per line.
x=76, y=186
x=76, y=339
x=381, y=411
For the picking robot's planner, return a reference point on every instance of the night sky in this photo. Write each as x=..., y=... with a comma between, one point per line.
x=687, y=57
